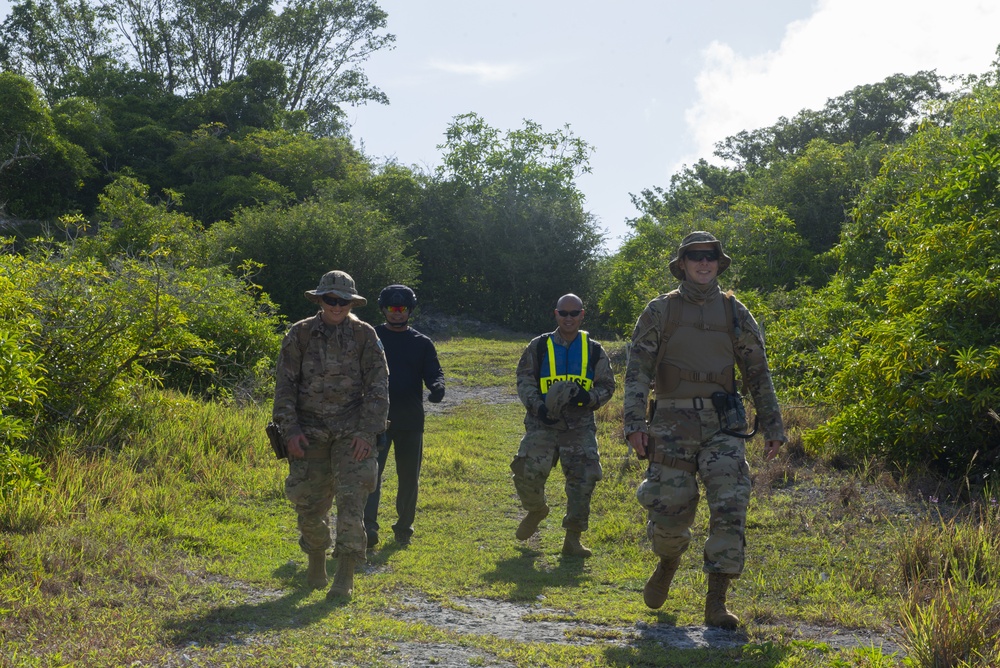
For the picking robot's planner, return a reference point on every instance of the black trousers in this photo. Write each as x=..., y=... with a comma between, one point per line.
x=409, y=449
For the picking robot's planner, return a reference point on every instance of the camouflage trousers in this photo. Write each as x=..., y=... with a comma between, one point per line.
x=329, y=471
x=581, y=466
x=670, y=494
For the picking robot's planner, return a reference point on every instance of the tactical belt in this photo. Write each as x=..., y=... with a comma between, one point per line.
x=670, y=462
x=697, y=403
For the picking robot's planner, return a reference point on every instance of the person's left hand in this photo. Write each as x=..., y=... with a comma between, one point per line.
x=362, y=448
x=771, y=449
x=436, y=395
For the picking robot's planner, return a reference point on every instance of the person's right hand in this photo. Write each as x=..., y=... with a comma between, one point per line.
x=543, y=415
x=638, y=440
x=297, y=445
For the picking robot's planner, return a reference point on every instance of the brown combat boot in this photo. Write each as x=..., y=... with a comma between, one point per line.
x=572, y=547
x=529, y=525
x=715, y=602
x=316, y=575
x=658, y=585
x=343, y=579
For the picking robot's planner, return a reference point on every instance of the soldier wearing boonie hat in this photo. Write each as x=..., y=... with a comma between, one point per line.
x=331, y=399
x=688, y=344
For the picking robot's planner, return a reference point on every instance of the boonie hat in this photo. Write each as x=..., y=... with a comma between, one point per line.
x=337, y=283
x=698, y=237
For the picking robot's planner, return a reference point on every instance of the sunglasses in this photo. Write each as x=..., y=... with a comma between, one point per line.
x=336, y=301
x=569, y=314
x=397, y=309
x=698, y=256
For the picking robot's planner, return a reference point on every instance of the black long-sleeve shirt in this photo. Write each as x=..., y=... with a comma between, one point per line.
x=413, y=363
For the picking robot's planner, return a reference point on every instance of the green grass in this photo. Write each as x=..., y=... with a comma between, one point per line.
x=180, y=544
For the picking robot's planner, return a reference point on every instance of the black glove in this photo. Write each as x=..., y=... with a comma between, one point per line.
x=543, y=415
x=582, y=398
x=436, y=395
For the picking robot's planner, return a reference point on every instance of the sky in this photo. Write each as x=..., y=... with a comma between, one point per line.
x=651, y=85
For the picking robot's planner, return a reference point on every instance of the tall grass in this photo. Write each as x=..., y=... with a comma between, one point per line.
x=951, y=615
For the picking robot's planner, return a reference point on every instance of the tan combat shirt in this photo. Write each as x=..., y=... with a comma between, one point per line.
x=692, y=348
x=330, y=382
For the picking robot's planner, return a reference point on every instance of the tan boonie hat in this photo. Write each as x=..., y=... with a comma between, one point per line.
x=698, y=237
x=337, y=283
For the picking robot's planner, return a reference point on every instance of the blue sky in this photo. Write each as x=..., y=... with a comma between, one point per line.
x=650, y=84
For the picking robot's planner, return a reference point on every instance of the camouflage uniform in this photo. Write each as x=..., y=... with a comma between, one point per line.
x=331, y=392
x=698, y=360
x=572, y=439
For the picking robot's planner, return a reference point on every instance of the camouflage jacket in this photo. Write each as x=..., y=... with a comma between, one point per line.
x=530, y=393
x=701, y=344
x=338, y=379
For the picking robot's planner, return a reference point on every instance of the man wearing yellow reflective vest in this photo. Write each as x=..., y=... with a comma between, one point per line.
x=562, y=378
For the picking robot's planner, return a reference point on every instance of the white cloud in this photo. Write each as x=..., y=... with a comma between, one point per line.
x=845, y=43
x=484, y=72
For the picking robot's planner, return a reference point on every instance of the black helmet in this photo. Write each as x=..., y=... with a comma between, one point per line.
x=397, y=295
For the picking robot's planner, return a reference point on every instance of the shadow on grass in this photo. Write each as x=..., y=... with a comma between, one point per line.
x=224, y=623
x=529, y=581
x=654, y=653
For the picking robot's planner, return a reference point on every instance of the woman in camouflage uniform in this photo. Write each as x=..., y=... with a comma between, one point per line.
x=331, y=398
x=689, y=342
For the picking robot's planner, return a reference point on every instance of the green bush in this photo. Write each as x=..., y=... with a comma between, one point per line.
x=915, y=376
x=298, y=244
x=19, y=473
x=21, y=374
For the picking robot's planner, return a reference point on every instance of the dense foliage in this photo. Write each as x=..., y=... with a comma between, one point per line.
x=190, y=177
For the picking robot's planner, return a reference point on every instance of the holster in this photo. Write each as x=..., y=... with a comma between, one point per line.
x=276, y=440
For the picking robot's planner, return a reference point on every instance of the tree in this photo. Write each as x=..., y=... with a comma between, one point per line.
x=888, y=112
x=217, y=172
x=47, y=41
x=505, y=224
x=195, y=46
x=815, y=188
x=40, y=172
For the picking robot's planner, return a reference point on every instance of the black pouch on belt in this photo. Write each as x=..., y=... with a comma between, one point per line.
x=732, y=414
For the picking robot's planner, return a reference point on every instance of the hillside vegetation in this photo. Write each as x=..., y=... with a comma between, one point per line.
x=169, y=188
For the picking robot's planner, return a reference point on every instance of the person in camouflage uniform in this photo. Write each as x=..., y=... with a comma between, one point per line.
x=331, y=399
x=576, y=375
x=689, y=342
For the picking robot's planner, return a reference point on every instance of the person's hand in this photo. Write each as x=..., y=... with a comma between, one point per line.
x=297, y=446
x=638, y=440
x=436, y=395
x=583, y=398
x=362, y=448
x=771, y=449
x=543, y=415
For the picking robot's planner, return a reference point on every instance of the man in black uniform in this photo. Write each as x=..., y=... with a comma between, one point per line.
x=413, y=363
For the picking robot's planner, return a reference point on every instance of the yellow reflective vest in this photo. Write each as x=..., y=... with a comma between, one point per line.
x=571, y=363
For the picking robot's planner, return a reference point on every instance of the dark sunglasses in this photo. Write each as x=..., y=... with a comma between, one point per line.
x=336, y=301
x=569, y=314
x=397, y=309
x=698, y=256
